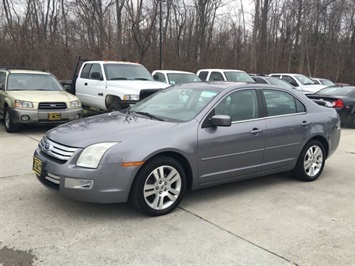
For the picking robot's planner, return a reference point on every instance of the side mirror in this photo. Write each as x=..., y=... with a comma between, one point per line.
x=67, y=88
x=221, y=120
x=96, y=75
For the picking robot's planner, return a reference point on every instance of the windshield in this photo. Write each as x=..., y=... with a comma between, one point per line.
x=126, y=72
x=279, y=82
x=178, y=78
x=327, y=82
x=32, y=82
x=175, y=104
x=304, y=80
x=339, y=91
x=238, y=76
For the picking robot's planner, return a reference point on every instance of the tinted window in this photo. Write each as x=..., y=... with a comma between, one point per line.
x=85, y=72
x=178, y=78
x=216, y=76
x=160, y=76
x=240, y=105
x=96, y=68
x=290, y=80
x=281, y=103
x=203, y=75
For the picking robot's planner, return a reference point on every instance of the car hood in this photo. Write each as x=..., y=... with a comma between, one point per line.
x=43, y=96
x=136, y=85
x=108, y=127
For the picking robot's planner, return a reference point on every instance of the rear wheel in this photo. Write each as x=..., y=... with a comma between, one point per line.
x=10, y=126
x=310, y=164
x=159, y=186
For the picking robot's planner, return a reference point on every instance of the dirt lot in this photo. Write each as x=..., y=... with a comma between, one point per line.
x=273, y=220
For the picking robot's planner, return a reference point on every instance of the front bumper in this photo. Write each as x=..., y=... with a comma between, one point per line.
x=26, y=116
x=109, y=183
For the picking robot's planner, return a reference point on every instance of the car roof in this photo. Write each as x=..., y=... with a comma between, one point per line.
x=294, y=74
x=173, y=71
x=25, y=71
x=111, y=62
x=221, y=69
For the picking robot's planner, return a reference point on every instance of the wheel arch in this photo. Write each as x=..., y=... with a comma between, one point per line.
x=110, y=99
x=324, y=142
x=177, y=156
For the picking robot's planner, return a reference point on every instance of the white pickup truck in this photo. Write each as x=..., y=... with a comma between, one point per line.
x=112, y=85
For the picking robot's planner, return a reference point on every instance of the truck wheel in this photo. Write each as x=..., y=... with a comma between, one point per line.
x=114, y=107
x=10, y=126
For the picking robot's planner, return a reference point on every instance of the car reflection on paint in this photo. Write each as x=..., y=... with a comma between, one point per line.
x=187, y=137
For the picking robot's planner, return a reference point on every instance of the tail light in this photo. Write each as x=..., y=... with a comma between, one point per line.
x=338, y=103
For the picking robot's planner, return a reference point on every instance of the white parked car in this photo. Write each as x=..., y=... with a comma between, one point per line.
x=299, y=81
x=322, y=81
x=174, y=77
x=215, y=74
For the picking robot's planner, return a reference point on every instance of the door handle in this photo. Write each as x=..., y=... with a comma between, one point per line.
x=305, y=123
x=85, y=83
x=100, y=94
x=255, y=131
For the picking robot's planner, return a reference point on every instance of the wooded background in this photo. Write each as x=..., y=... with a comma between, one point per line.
x=313, y=37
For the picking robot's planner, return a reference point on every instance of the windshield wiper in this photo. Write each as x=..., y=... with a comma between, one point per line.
x=149, y=115
x=140, y=79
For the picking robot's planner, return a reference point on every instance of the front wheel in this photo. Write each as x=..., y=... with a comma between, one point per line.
x=159, y=186
x=311, y=161
x=10, y=126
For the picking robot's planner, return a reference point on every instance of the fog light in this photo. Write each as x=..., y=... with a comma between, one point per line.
x=78, y=183
x=77, y=116
x=25, y=118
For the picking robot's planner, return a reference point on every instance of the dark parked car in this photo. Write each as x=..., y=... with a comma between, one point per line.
x=273, y=81
x=187, y=137
x=342, y=98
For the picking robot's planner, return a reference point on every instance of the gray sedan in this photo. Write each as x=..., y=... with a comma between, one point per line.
x=187, y=137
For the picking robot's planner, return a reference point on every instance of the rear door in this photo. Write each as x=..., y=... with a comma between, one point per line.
x=237, y=150
x=287, y=126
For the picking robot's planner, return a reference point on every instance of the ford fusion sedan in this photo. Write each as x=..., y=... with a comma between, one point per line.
x=187, y=137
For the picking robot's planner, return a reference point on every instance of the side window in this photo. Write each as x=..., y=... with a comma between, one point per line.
x=161, y=77
x=203, y=75
x=216, y=76
x=290, y=80
x=2, y=80
x=96, y=68
x=240, y=105
x=85, y=72
x=281, y=103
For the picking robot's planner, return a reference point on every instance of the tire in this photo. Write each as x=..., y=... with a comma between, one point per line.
x=311, y=162
x=10, y=126
x=159, y=186
x=114, y=107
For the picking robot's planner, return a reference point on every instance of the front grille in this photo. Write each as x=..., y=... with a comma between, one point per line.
x=52, y=106
x=56, y=150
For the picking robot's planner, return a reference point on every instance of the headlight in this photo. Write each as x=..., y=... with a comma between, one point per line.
x=23, y=104
x=75, y=104
x=91, y=155
x=132, y=97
